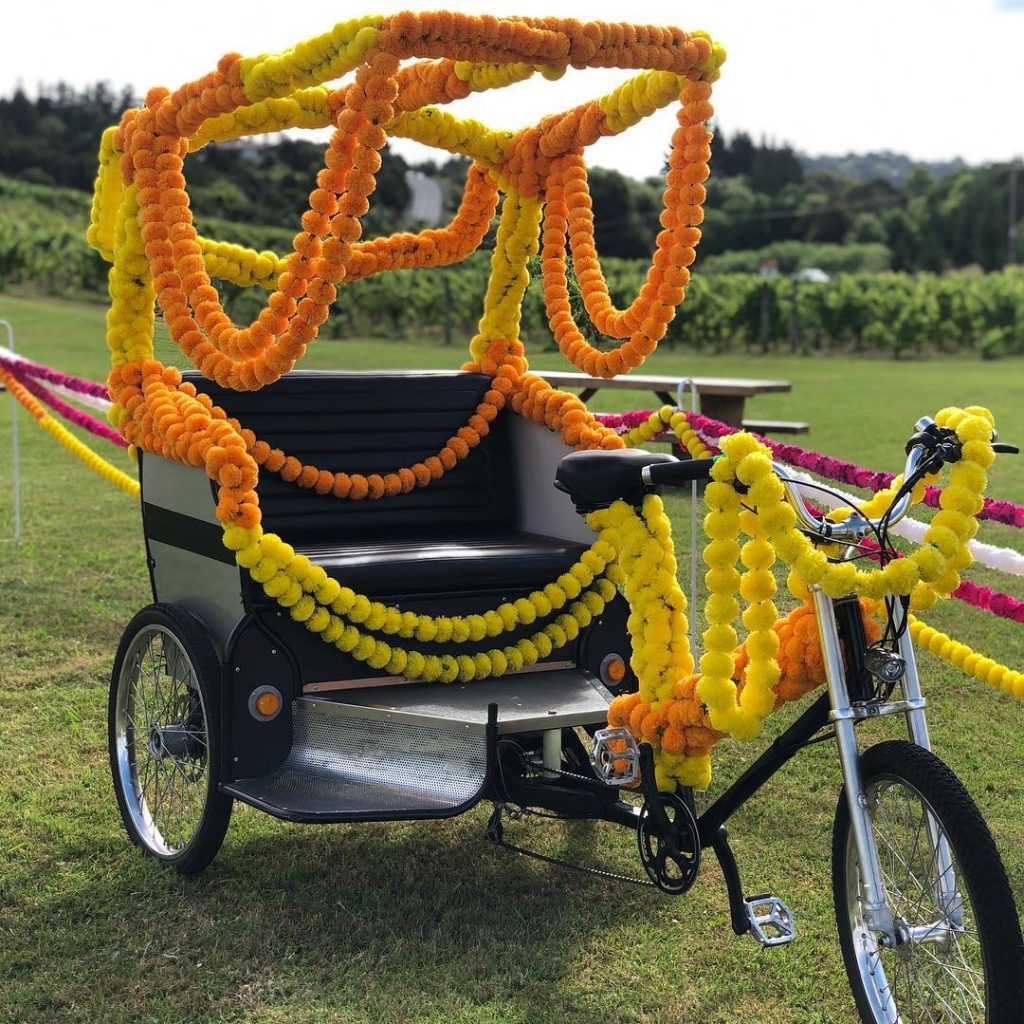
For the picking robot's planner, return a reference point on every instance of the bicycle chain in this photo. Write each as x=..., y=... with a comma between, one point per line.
x=496, y=834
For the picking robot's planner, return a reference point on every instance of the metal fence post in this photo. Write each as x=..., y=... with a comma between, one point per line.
x=16, y=452
x=689, y=384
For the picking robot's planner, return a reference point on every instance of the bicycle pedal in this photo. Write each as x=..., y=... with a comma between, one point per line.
x=616, y=757
x=771, y=921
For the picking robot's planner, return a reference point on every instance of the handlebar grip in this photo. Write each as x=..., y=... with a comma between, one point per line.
x=675, y=474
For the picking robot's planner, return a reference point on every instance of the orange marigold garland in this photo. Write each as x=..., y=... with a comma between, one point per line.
x=142, y=223
x=569, y=215
x=153, y=141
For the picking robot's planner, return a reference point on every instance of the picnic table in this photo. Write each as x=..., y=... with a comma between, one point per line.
x=721, y=398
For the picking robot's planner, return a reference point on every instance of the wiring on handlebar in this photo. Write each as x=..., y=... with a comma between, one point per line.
x=896, y=627
x=861, y=551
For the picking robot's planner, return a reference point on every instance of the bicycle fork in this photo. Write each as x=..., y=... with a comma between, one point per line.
x=877, y=913
x=844, y=715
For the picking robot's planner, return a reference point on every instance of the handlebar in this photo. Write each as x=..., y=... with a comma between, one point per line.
x=927, y=451
x=855, y=527
x=675, y=474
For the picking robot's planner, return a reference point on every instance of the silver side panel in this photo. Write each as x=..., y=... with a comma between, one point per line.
x=343, y=767
x=210, y=589
x=536, y=452
x=183, y=489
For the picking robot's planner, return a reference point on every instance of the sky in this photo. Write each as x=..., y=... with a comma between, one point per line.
x=930, y=78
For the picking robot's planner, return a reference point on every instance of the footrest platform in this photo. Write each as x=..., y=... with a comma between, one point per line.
x=414, y=751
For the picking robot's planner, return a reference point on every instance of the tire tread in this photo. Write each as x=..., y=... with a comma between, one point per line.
x=981, y=869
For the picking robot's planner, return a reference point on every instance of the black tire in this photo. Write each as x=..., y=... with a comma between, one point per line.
x=175, y=768
x=979, y=973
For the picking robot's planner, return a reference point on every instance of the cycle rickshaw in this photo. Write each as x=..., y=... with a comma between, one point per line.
x=217, y=696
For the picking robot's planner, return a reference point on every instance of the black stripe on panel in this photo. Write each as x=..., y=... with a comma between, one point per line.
x=185, y=532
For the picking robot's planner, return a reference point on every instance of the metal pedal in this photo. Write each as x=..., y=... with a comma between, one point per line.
x=771, y=921
x=616, y=757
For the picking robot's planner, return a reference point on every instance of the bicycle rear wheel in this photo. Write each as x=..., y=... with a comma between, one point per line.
x=958, y=953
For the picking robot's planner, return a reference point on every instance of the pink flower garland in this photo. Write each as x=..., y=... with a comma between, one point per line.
x=622, y=422
x=1003, y=605
x=69, y=412
x=22, y=368
x=1006, y=512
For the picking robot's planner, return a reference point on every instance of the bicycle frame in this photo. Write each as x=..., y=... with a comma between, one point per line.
x=849, y=698
x=847, y=701
x=844, y=704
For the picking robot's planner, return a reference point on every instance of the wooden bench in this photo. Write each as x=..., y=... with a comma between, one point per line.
x=721, y=398
x=776, y=426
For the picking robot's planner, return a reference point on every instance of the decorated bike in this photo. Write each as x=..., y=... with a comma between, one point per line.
x=370, y=603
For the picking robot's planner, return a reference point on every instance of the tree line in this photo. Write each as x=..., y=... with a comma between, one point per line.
x=42, y=244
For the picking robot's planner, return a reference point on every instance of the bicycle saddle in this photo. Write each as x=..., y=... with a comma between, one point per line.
x=595, y=479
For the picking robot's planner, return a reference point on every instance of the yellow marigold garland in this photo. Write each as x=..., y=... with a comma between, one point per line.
x=929, y=572
x=335, y=613
x=960, y=656
x=661, y=656
x=66, y=439
x=306, y=590
x=671, y=420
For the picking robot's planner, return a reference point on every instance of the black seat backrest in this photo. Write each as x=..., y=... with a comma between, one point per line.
x=374, y=423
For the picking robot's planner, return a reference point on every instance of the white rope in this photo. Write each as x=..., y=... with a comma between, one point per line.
x=93, y=401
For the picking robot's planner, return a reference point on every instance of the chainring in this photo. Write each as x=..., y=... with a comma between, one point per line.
x=672, y=859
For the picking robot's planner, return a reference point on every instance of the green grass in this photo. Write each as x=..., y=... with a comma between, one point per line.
x=421, y=922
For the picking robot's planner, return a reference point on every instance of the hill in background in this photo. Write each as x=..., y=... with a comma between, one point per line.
x=885, y=165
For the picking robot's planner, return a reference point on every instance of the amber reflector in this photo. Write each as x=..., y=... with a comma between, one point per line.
x=268, y=703
x=615, y=669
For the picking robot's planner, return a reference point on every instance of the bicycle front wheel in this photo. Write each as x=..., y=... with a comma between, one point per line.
x=957, y=957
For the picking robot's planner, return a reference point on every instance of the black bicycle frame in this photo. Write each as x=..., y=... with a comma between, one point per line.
x=574, y=799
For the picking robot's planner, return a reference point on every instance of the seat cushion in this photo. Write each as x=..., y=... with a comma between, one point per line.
x=446, y=562
x=375, y=423
x=596, y=479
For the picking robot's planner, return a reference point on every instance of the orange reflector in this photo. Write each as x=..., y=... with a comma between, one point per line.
x=615, y=669
x=268, y=703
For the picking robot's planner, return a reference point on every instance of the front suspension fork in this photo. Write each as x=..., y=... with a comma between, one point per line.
x=877, y=913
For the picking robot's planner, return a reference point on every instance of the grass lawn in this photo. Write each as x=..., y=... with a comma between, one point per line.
x=424, y=922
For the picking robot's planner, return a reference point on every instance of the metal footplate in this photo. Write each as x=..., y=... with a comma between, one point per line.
x=616, y=757
x=771, y=921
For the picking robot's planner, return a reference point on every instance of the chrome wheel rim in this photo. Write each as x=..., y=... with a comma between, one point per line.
x=934, y=972
x=162, y=742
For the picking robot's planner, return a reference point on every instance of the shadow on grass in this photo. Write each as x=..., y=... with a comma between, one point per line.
x=397, y=917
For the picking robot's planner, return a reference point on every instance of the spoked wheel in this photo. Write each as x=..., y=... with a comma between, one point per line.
x=164, y=727
x=957, y=956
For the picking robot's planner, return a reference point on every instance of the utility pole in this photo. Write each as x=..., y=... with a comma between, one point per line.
x=1011, y=227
